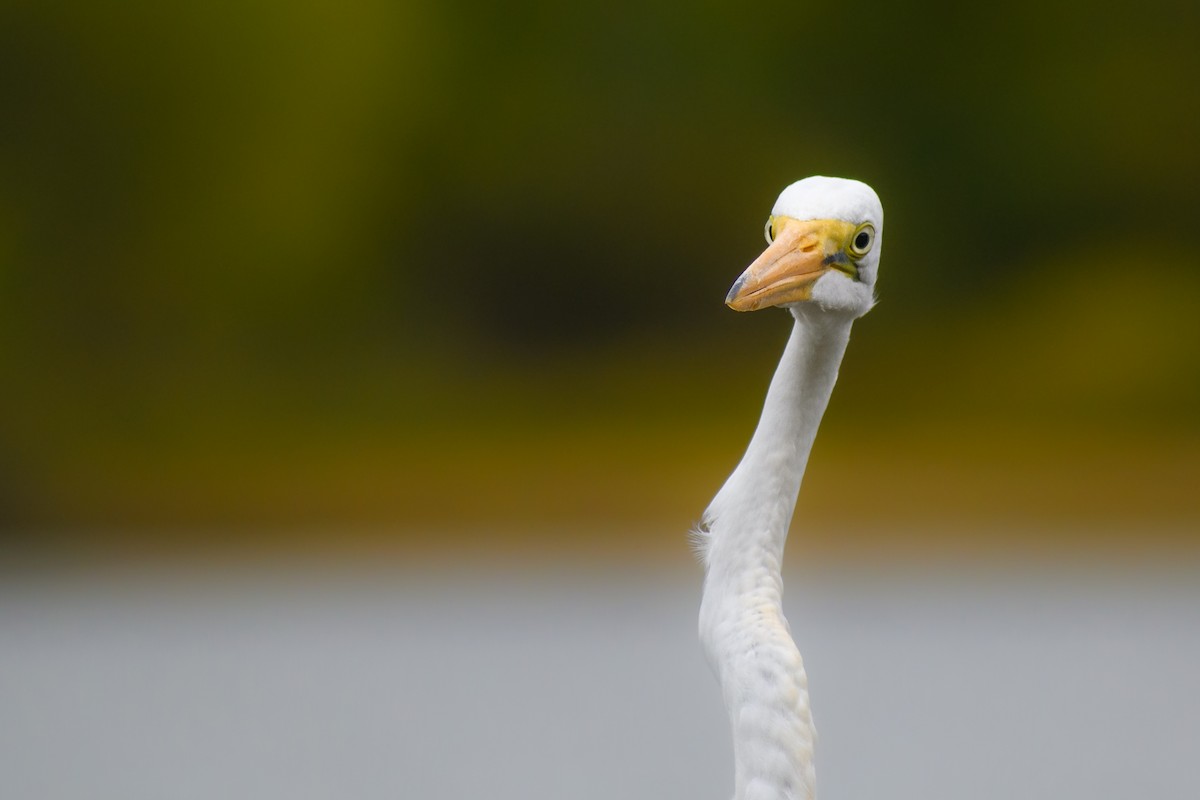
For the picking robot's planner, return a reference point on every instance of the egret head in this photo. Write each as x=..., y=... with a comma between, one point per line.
x=824, y=237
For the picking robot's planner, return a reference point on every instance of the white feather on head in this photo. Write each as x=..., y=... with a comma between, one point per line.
x=819, y=197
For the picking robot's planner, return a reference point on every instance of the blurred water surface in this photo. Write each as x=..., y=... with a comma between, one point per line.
x=587, y=682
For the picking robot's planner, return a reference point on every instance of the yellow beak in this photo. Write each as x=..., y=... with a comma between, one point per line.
x=800, y=253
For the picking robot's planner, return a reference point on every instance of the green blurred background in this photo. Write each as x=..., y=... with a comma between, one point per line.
x=287, y=273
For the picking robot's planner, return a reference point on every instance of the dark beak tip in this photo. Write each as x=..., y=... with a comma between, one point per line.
x=735, y=290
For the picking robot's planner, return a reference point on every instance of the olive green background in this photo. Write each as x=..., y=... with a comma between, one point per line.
x=284, y=273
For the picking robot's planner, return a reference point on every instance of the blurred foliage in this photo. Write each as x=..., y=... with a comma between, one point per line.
x=416, y=262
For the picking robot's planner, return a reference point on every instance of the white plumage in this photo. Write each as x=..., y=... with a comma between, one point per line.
x=824, y=236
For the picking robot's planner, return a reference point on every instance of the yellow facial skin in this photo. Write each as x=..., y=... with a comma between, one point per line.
x=801, y=251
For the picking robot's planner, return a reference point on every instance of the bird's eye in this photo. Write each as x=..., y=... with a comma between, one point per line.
x=769, y=230
x=862, y=240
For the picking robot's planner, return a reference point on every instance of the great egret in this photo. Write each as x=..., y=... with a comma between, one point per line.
x=824, y=237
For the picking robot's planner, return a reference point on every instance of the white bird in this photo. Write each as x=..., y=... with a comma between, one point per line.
x=824, y=237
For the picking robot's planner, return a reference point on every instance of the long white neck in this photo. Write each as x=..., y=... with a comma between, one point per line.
x=742, y=625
